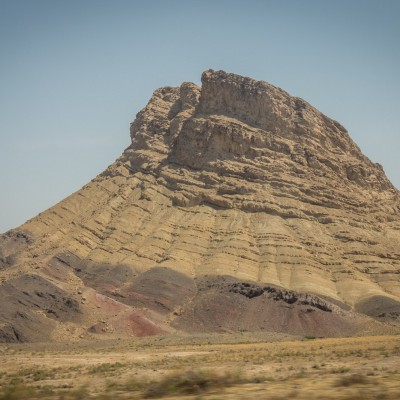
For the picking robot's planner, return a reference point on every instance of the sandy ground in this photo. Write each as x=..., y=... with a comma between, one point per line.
x=170, y=367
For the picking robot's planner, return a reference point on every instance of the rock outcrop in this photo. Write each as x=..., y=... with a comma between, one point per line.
x=236, y=183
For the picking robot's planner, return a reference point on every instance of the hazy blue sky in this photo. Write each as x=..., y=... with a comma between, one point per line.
x=73, y=74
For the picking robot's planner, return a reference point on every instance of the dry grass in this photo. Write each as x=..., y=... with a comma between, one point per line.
x=349, y=368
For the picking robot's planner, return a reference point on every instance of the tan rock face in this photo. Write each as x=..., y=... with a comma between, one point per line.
x=234, y=183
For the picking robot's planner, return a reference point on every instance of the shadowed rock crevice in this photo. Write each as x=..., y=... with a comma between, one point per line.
x=251, y=290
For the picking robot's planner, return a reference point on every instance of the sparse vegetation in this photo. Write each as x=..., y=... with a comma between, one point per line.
x=192, y=382
x=141, y=368
x=106, y=368
x=16, y=392
x=354, y=379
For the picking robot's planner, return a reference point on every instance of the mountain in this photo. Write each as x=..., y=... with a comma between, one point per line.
x=236, y=207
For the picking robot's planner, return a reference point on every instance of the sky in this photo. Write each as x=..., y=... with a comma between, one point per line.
x=73, y=75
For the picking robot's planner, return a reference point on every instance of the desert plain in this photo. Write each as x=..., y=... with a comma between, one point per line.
x=221, y=366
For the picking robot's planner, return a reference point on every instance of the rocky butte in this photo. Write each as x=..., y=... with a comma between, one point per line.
x=236, y=207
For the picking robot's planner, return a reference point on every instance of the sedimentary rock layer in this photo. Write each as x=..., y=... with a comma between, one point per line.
x=233, y=183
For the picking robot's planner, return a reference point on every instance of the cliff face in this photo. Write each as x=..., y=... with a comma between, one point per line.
x=248, y=137
x=232, y=198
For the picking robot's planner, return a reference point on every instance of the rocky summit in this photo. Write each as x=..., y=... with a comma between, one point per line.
x=237, y=207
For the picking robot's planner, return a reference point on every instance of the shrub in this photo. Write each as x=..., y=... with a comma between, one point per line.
x=191, y=382
x=350, y=380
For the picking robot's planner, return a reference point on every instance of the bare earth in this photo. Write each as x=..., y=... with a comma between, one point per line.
x=204, y=367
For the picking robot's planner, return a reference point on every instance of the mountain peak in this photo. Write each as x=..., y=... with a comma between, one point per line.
x=262, y=105
x=236, y=206
x=233, y=125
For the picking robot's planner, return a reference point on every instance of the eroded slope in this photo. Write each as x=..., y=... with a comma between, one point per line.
x=233, y=181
